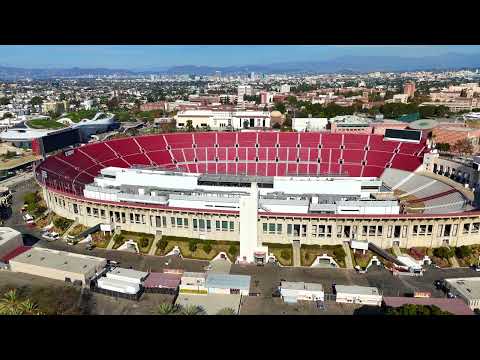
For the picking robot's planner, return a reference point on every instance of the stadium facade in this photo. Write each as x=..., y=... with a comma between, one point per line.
x=262, y=187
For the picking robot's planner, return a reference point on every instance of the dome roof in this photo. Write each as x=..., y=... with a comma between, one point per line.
x=423, y=124
x=276, y=113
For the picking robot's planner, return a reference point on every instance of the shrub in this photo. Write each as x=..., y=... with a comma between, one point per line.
x=192, y=245
x=307, y=257
x=339, y=253
x=30, y=198
x=232, y=250
x=443, y=252
x=285, y=254
x=463, y=251
x=207, y=247
x=119, y=239
x=143, y=242
x=162, y=244
x=62, y=223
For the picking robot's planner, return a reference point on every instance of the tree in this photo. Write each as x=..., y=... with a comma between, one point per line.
x=7, y=115
x=226, y=311
x=113, y=104
x=144, y=242
x=192, y=245
x=279, y=107
x=276, y=126
x=443, y=252
x=463, y=146
x=162, y=244
x=443, y=147
x=207, y=247
x=4, y=101
x=414, y=310
x=232, y=250
x=245, y=124
x=189, y=126
x=192, y=310
x=339, y=253
x=36, y=100
x=167, y=309
x=463, y=251
x=285, y=254
x=11, y=304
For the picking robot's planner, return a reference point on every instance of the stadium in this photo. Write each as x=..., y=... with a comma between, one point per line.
x=261, y=187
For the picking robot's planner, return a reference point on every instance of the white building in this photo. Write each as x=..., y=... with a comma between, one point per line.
x=309, y=124
x=399, y=98
x=127, y=275
x=468, y=289
x=291, y=292
x=10, y=239
x=358, y=295
x=284, y=88
x=244, y=90
x=193, y=282
x=221, y=120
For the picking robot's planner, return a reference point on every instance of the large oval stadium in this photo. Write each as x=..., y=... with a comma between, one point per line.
x=261, y=187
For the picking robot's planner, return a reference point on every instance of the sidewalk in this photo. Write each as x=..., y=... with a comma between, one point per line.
x=348, y=256
x=153, y=248
x=396, y=250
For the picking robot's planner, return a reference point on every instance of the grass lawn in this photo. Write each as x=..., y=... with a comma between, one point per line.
x=308, y=253
x=199, y=253
x=81, y=114
x=77, y=230
x=361, y=259
x=278, y=249
x=45, y=124
x=100, y=240
x=443, y=263
x=472, y=259
x=127, y=235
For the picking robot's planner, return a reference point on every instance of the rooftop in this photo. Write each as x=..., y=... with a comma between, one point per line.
x=128, y=273
x=467, y=287
x=301, y=286
x=59, y=260
x=211, y=303
x=355, y=289
x=227, y=281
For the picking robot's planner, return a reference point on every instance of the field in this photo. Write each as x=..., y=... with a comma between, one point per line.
x=308, y=253
x=138, y=238
x=283, y=253
x=199, y=253
x=45, y=124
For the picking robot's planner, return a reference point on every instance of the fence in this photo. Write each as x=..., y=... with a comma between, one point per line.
x=116, y=294
x=156, y=290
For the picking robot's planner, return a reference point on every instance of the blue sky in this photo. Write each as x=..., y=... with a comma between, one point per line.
x=142, y=56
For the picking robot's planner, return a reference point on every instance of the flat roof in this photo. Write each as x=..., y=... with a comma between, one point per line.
x=468, y=287
x=162, y=280
x=228, y=281
x=129, y=273
x=300, y=285
x=194, y=274
x=211, y=303
x=59, y=260
x=355, y=289
x=6, y=234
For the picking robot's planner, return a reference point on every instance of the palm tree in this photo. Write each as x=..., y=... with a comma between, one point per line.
x=226, y=311
x=10, y=304
x=30, y=308
x=192, y=310
x=167, y=309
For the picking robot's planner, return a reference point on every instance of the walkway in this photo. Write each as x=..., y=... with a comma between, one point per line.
x=396, y=250
x=111, y=243
x=65, y=234
x=466, y=192
x=296, y=253
x=453, y=260
x=153, y=248
x=348, y=255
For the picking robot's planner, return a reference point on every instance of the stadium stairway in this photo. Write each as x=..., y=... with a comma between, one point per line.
x=396, y=250
x=380, y=252
x=296, y=254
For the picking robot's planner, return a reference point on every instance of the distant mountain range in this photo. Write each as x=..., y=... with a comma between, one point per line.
x=344, y=64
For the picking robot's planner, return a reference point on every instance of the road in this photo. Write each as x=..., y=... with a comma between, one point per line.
x=14, y=180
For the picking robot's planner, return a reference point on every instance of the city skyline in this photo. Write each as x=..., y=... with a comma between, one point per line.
x=139, y=57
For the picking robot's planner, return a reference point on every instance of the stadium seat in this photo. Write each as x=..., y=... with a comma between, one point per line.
x=178, y=155
x=287, y=139
x=267, y=139
x=222, y=168
x=247, y=139
x=226, y=139
x=124, y=146
x=353, y=156
x=206, y=139
x=152, y=142
x=161, y=157
x=137, y=159
x=310, y=139
x=99, y=151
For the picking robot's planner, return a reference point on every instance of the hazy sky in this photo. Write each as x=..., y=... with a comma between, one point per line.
x=142, y=56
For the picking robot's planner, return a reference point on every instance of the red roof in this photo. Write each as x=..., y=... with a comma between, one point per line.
x=162, y=280
x=453, y=306
x=19, y=250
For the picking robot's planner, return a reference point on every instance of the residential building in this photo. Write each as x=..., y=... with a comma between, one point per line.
x=409, y=88
x=292, y=292
x=358, y=295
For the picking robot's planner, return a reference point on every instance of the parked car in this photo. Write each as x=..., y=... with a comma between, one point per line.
x=451, y=295
x=51, y=236
x=89, y=246
x=476, y=268
x=28, y=219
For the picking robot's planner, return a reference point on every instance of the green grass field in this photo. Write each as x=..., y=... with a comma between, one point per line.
x=45, y=124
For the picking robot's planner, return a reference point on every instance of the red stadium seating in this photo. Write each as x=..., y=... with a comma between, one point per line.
x=124, y=146
x=258, y=153
x=152, y=142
